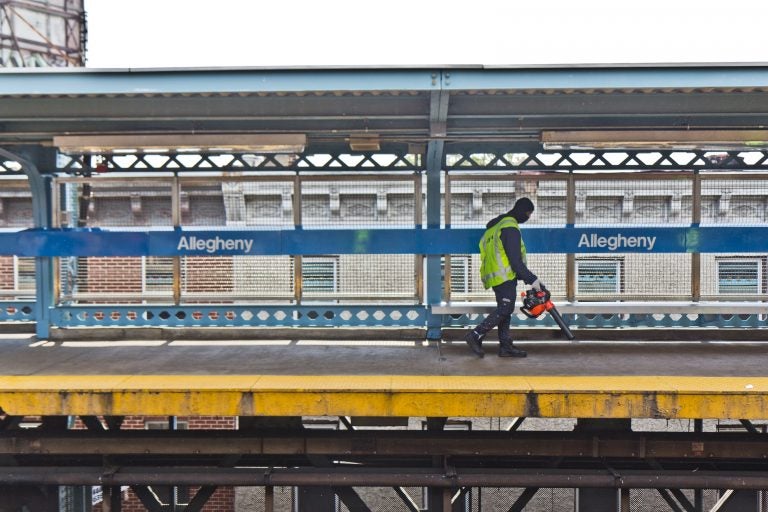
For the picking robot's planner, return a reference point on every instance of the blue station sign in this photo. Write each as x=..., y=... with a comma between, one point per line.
x=430, y=241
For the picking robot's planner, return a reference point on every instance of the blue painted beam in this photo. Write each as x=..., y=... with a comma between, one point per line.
x=214, y=315
x=429, y=241
x=18, y=311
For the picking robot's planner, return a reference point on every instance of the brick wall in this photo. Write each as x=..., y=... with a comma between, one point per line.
x=114, y=274
x=208, y=274
x=223, y=500
x=16, y=212
x=193, y=422
x=6, y=273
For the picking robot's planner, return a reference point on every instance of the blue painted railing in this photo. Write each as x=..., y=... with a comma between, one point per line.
x=239, y=316
x=17, y=311
x=433, y=241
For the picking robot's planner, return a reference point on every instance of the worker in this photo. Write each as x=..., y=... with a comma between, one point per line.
x=502, y=264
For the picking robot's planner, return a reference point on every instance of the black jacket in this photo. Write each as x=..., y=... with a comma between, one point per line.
x=512, y=240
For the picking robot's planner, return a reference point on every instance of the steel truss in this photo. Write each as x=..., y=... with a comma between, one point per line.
x=478, y=157
x=608, y=160
x=345, y=459
x=22, y=49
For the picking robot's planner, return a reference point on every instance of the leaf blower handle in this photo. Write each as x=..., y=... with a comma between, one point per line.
x=525, y=306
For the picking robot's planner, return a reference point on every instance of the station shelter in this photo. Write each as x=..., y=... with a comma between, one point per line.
x=270, y=272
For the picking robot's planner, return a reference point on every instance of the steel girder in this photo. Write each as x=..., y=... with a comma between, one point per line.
x=474, y=459
x=675, y=449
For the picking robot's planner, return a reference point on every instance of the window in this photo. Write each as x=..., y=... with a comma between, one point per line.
x=25, y=273
x=158, y=274
x=164, y=425
x=460, y=273
x=164, y=493
x=596, y=276
x=740, y=275
x=320, y=275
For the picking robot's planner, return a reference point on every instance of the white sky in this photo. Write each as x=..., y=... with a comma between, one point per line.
x=232, y=33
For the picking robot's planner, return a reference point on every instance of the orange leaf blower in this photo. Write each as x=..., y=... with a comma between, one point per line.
x=536, y=302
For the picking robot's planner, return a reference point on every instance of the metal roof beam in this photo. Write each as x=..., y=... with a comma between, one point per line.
x=438, y=113
x=201, y=81
x=610, y=78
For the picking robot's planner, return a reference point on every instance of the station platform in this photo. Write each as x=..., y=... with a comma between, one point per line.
x=387, y=378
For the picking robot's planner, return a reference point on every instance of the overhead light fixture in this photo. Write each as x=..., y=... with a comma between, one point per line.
x=646, y=139
x=364, y=143
x=258, y=143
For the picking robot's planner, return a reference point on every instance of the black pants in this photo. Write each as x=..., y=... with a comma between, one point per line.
x=506, y=294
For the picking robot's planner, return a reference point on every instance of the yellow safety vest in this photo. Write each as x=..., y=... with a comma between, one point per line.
x=494, y=264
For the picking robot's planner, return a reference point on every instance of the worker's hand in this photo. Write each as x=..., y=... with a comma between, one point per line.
x=538, y=285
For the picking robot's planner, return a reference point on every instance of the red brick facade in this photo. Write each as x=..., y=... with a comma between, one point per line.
x=6, y=273
x=223, y=500
x=113, y=275
x=209, y=274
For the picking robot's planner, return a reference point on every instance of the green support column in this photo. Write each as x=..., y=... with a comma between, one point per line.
x=31, y=159
x=434, y=288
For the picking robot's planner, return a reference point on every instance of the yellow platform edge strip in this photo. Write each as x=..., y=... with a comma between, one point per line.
x=394, y=395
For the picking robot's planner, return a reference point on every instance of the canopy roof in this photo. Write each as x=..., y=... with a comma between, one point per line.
x=329, y=106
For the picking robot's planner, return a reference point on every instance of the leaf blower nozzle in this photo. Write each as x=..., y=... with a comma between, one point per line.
x=536, y=302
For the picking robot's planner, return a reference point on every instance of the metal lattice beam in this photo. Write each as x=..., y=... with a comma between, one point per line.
x=479, y=157
x=395, y=160
x=608, y=160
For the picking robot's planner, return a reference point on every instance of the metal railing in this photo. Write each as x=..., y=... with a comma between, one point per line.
x=618, y=199
x=328, y=289
x=315, y=201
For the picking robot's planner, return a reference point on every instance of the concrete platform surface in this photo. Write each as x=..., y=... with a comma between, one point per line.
x=382, y=378
x=22, y=355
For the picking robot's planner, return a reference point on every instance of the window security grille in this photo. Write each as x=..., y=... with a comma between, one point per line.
x=25, y=273
x=320, y=275
x=740, y=276
x=460, y=271
x=158, y=273
x=599, y=276
x=164, y=425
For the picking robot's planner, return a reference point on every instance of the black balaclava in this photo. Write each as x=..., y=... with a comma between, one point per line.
x=519, y=210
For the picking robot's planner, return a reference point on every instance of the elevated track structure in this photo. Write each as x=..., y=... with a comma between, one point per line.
x=295, y=249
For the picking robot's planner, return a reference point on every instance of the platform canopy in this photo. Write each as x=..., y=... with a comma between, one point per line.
x=367, y=109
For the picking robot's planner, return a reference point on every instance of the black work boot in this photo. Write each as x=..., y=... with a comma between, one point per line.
x=475, y=341
x=508, y=349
